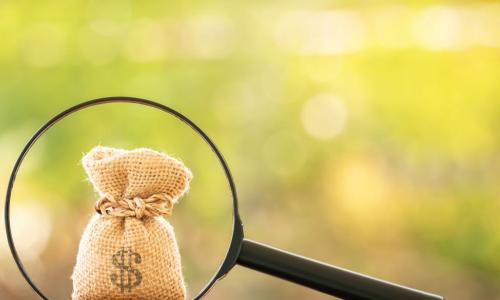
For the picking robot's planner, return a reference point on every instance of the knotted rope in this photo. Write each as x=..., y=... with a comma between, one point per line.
x=155, y=205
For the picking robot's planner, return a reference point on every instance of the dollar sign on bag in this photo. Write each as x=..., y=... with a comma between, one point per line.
x=128, y=277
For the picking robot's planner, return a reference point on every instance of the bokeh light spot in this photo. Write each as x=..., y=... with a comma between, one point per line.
x=98, y=42
x=31, y=228
x=147, y=41
x=438, y=28
x=324, y=116
x=327, y=32
x=44, y=45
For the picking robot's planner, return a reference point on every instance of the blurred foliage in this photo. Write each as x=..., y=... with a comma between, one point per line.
x=361, y=134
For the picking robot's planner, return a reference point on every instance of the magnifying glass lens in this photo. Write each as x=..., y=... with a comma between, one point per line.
x=53, y=201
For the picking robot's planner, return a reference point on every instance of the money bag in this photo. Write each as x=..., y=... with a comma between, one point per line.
x=128, y=250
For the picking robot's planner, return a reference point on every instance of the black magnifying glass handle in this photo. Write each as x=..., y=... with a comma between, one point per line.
x=326, y=278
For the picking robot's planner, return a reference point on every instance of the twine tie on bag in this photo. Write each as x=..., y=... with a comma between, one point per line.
x=155, y=205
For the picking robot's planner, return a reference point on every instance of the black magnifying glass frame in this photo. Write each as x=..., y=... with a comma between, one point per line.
x=307, y=272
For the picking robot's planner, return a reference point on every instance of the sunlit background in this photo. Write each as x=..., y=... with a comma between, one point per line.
x=360, y=133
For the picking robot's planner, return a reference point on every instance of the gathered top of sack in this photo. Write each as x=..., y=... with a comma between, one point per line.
x=135, y=183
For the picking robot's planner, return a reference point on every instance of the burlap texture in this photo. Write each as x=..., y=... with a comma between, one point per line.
x=129, y=251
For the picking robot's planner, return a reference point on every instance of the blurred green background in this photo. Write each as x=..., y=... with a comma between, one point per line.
x=360, y=133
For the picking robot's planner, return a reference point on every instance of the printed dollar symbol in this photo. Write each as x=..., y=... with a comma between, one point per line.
x=128, y=277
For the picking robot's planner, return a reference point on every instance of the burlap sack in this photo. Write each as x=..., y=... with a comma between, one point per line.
x=128, y=250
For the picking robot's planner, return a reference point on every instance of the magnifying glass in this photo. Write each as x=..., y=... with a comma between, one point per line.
x=304, y=271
